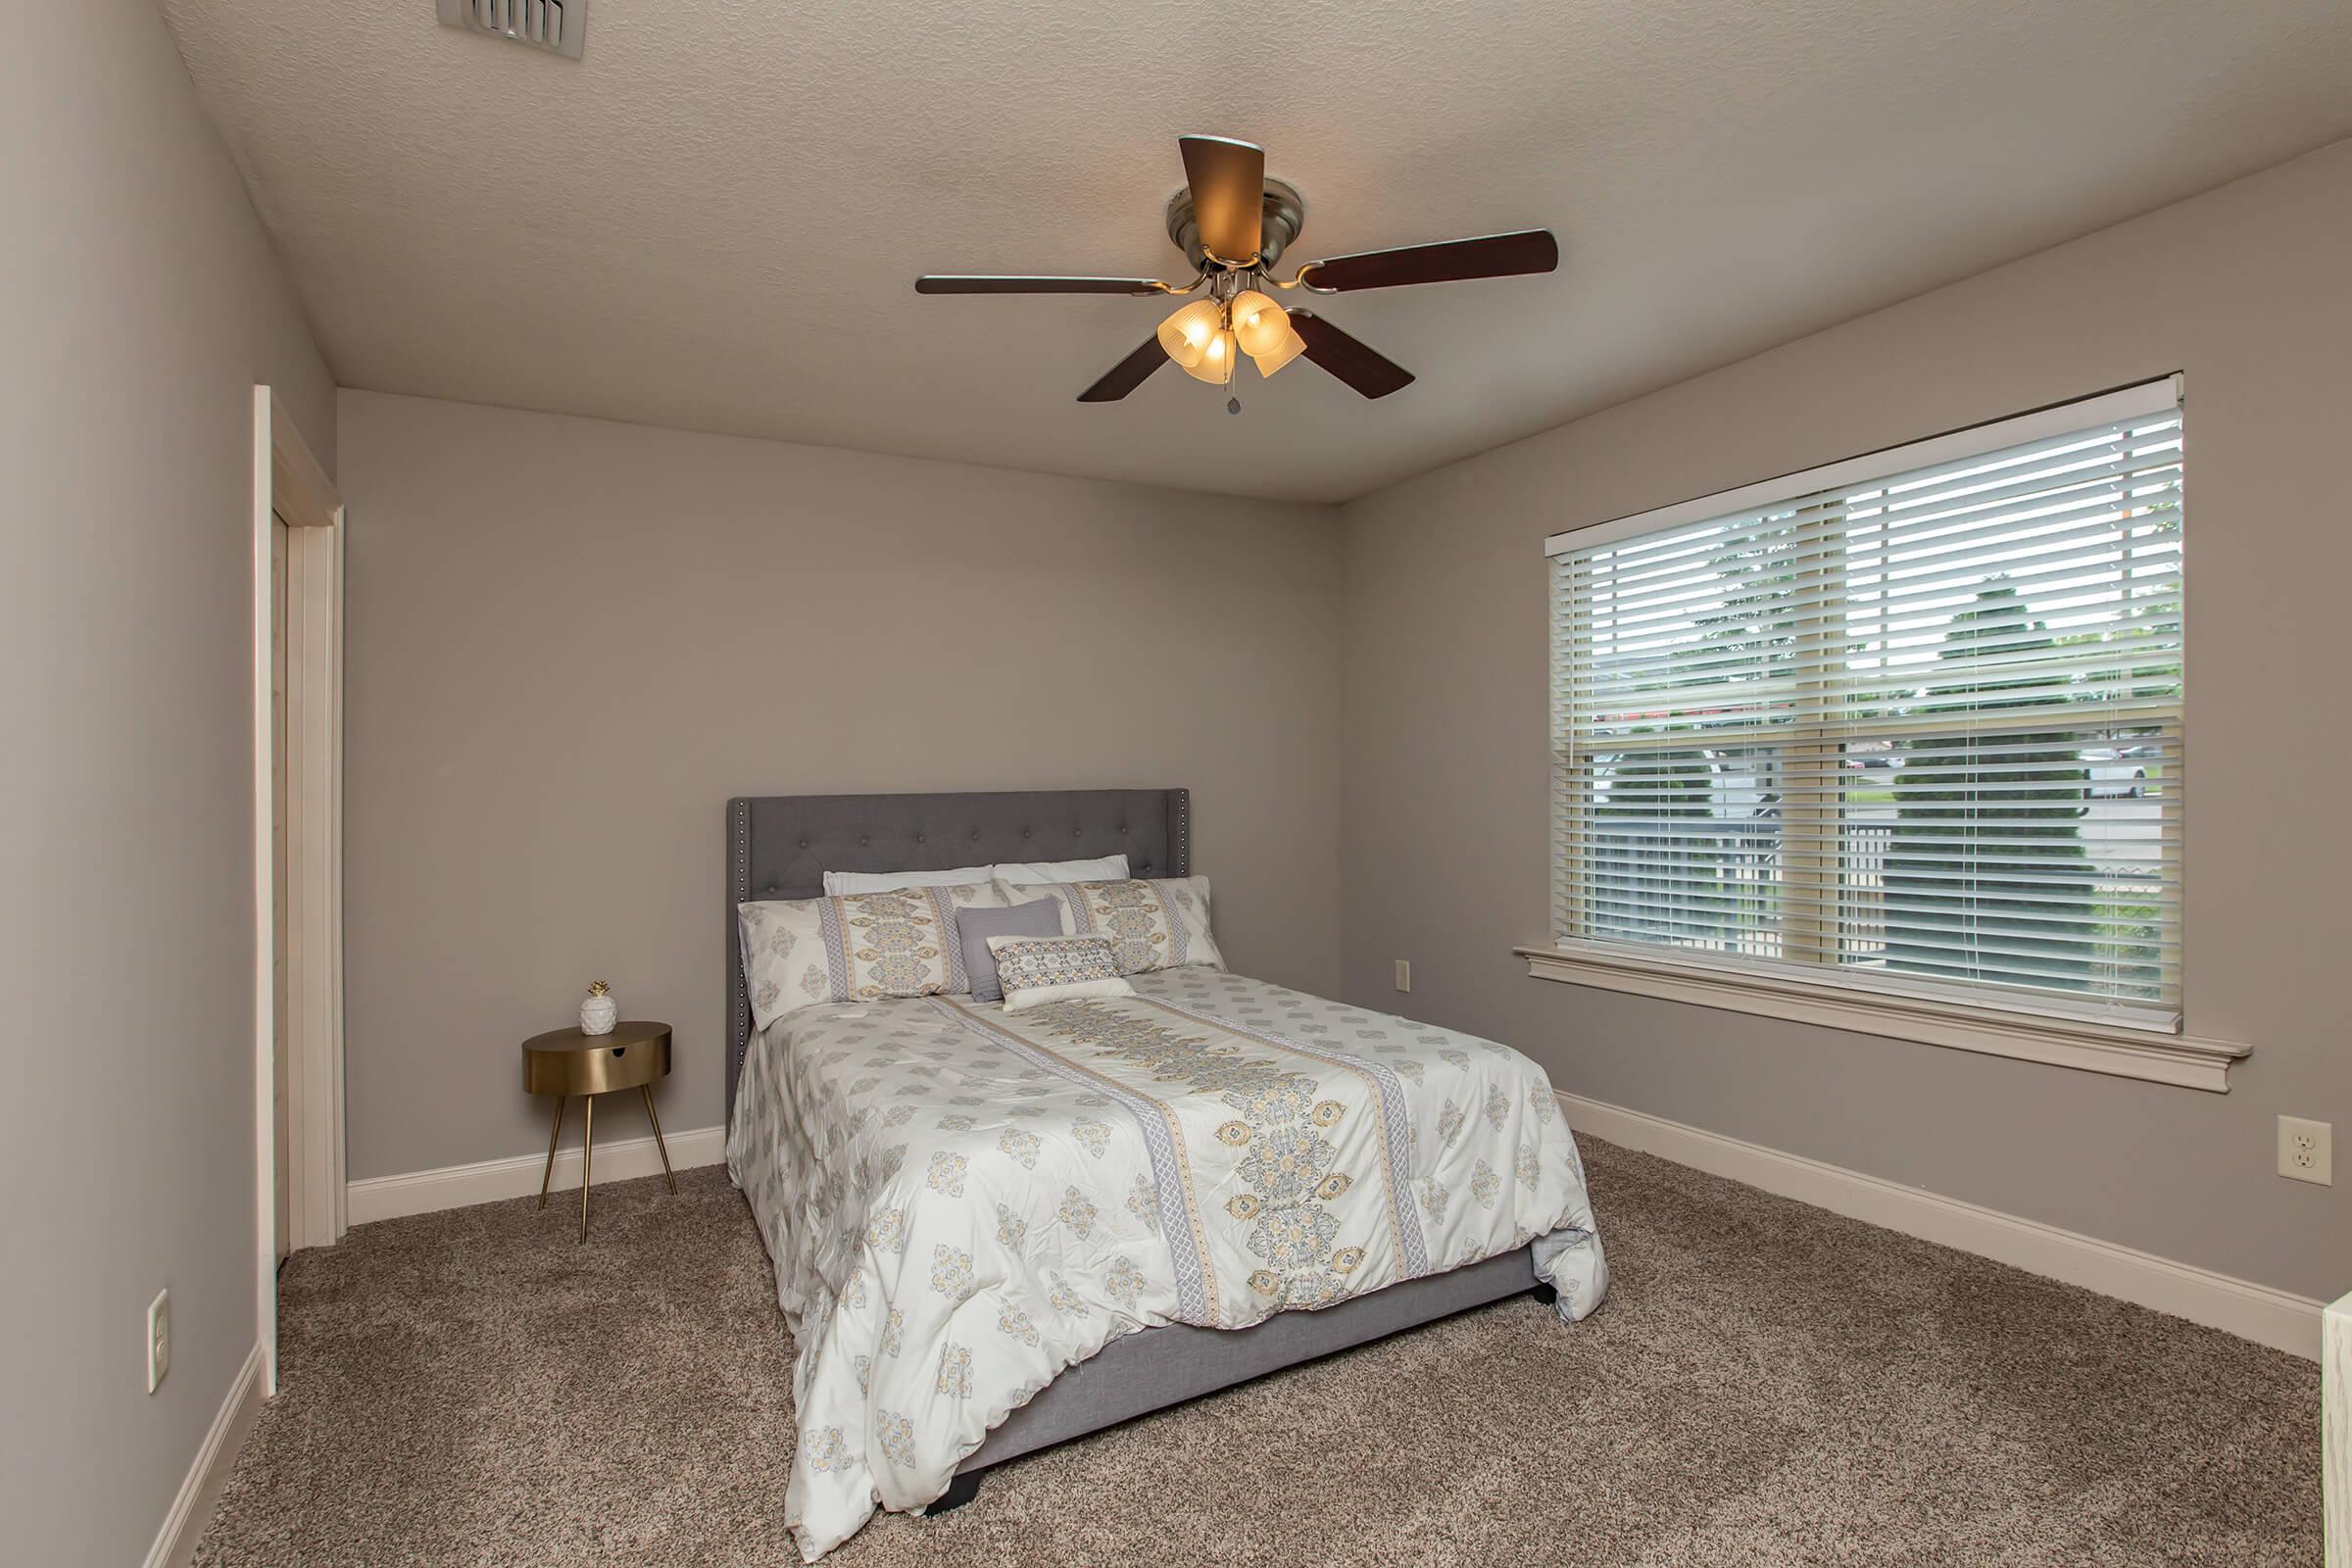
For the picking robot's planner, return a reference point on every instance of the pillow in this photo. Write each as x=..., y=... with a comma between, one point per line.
x=863, y=946
x=1110, y=868
x=1036, y=970
x=1042, y=918
x=839, y=884
x=1157, y=924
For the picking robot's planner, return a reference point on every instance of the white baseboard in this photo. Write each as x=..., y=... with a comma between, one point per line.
x=192, y=1509
x=2257, y=1313
x=618, y=1159
x=2336, y=1435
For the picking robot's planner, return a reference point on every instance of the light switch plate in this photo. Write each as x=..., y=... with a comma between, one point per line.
x=1404, y=975
x=159, y=1340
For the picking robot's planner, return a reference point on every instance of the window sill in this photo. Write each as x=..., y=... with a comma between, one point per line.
x=2183, y=1061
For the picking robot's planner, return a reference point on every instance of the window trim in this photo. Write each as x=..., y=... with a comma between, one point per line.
x=2159, y=396
x=2187, y=1061
x=2147, y=1051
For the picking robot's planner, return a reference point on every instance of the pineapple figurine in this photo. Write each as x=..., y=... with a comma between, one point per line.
x=599, y=1012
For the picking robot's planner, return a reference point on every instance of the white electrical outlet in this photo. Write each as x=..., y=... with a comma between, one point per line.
x=2306, y=1151
x=159, y=1340
x=1404, y=975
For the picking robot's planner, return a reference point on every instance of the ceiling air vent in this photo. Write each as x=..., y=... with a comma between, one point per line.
x=559, y=27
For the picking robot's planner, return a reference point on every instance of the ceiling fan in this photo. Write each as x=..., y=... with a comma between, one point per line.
x=1233, y=224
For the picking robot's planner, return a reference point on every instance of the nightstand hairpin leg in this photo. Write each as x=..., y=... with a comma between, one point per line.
x=553, y=1134
x=587, y=1155
x=653, y=1116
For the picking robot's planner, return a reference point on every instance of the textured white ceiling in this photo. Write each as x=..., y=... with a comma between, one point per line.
x=714, y=220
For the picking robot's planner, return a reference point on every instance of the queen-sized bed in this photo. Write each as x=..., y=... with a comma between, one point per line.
x=996, y=1231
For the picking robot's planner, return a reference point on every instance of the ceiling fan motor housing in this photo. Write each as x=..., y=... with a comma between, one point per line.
x=1284, y=217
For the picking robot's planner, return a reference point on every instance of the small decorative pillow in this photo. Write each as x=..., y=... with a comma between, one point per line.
x=1157, y=924
x=859, y=948
x=1036, y=970
x=1042, y=918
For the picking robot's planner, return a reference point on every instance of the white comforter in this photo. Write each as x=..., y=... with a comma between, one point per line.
x=960, y=1202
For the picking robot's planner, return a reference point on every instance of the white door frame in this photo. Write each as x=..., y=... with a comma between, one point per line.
x=289, y=484
x=2335, y=1433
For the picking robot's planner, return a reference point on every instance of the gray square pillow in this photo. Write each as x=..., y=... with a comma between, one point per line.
x=1042, y=918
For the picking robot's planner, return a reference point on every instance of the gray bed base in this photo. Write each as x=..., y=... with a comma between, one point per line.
x=780, y=846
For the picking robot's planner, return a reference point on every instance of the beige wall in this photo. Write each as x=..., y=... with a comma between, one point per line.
x=2247, y=288
x=570, y=642
x=142, y=304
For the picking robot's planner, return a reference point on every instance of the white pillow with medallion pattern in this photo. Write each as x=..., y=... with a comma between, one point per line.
x=1036, y=970
x=861, y=947
x=1153, y=923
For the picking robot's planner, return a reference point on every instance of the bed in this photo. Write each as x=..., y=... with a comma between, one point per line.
x=995, y=1232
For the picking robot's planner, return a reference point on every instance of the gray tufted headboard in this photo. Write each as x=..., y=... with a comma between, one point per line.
x=781, y=846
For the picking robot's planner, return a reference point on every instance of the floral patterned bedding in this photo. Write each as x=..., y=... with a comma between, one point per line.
x=961, y=1203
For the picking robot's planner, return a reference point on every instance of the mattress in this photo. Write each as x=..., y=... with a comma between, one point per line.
x=962, y=1202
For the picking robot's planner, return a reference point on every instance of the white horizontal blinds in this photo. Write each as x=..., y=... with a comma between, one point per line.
x=1917, y=732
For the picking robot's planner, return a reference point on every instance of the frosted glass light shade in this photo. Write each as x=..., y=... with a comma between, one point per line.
x=1188, y=333
x=1258, y=323
x=1283, y=353
x=1216, y=361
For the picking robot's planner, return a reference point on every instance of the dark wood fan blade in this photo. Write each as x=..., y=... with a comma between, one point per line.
x=1446, y=262
x=1036, y=285
x=1368, y=372
x=1128, y=375
x=1228, y=181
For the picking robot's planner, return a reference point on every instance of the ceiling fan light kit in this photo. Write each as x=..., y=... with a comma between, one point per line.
x=1187, y=334
x=1215, y=366
x=1282, y=353
x=1260, y=324
x=1233, y=224
x=1207, y=337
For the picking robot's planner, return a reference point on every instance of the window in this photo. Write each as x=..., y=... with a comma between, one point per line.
x=1909, y=723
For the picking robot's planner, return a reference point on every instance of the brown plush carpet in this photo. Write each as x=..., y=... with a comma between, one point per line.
x=1767, y=1383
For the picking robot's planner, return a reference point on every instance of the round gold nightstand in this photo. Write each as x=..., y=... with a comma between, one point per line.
x=565, y=1062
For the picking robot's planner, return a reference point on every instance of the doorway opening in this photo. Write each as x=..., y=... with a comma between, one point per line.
x=298, y=852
